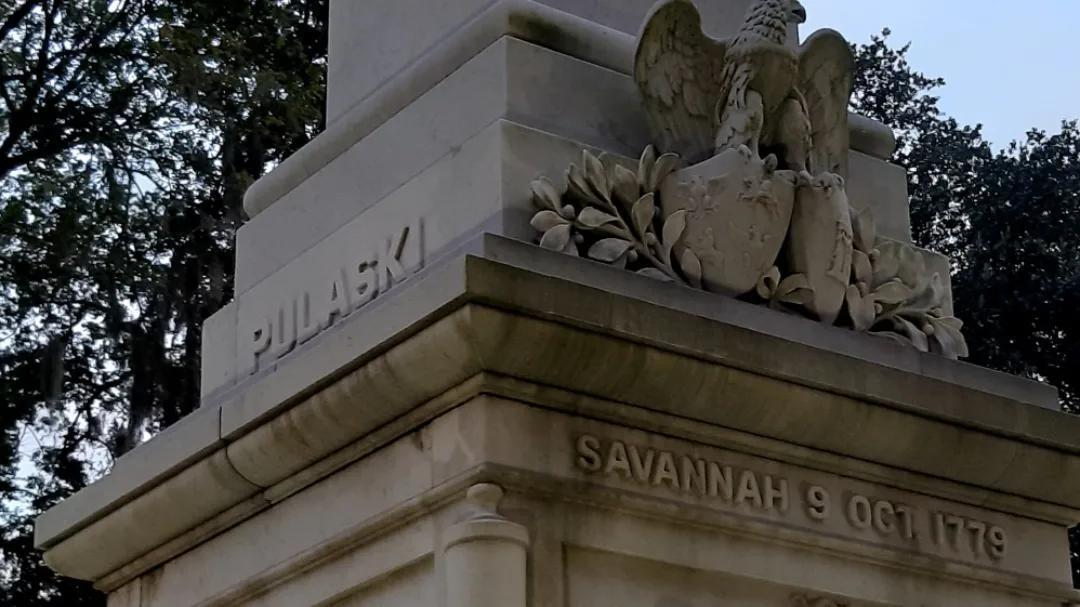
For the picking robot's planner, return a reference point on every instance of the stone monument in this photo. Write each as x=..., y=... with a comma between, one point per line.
x=587, y=303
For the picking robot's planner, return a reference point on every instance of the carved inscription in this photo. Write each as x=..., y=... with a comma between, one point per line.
x=770, y=494
x=683, y=473
x=329, y=295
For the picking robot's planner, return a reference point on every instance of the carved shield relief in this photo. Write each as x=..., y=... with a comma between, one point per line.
x=738, y=213
x=820, y=244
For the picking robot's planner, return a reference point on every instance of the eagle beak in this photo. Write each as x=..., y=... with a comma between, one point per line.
x=799, y=12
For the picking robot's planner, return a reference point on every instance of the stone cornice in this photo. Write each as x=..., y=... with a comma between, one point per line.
x=534, y=321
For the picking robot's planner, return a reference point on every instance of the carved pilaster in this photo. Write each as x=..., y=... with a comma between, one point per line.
x=485, y=555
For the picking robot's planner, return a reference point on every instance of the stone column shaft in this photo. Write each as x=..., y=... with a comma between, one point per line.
x=486, y=556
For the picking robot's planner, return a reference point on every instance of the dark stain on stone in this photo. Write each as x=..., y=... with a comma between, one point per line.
x=539, y=31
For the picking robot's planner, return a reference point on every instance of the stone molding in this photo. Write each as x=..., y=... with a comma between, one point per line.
x=700, y=357
x=531, y=486
x=523, y=19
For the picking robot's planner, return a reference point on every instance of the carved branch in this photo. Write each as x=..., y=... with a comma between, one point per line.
x=611, y=213
x=837, y=269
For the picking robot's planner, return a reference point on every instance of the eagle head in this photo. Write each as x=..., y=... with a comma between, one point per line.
x=796, y=12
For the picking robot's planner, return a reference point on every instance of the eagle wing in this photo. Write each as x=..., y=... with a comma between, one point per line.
x=679, y=71
x=826, y=77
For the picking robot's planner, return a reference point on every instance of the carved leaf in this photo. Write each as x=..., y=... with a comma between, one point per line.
x=626, y=186
x=556, y=238
x=886, y=267
x=795, y=289
x=768, y=283
x=665, y=165
x=593, y=217
x=865, y=230
x=931, y=297
x=861, y=268
x=953, y=323
x=948, y=339
x=691, y=267
x=644, y=209
x=645, y=167
x=545, y=195
x=860, y=309
x=594, y=170
x=609, y=249
x=912, y=332
x=545, y=220
x=892, y=293
x=579, y=186
x=654, y=273
x=674, y=227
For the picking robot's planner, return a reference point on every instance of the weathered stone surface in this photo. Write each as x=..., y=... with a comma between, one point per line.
x=881, y=187
x=617, y=504
x=371, y=30
x=189, y=440
x=218, y=371
x=511, y=80
x=737, y=213
x=647, y=367
x=400, y=410
x=819, y=246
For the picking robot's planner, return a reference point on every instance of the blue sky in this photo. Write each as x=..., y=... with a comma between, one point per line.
x=1009, y=65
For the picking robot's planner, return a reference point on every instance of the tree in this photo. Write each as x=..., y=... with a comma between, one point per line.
x=73, y=75
x=132, y=129
x=1009, y=220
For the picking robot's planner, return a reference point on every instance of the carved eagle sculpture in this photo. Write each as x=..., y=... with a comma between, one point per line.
x=704, y=96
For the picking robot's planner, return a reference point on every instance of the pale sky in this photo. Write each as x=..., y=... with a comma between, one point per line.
x=1008, y=64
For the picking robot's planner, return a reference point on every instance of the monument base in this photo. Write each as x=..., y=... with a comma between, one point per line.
x=516, y=427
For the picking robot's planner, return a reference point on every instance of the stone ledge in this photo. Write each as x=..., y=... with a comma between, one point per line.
x=509, y=81
x=182, y=444
x=460, y=318
x=525, y=20
x=503, y=450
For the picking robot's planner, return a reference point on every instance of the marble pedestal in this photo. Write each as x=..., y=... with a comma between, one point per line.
x=657, y=447
x=476, y=422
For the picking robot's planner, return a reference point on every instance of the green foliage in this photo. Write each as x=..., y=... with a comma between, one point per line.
x=944, y=160
x=1019, y=275
x=131, y=130
x=1009, y=220
x=73, y=74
